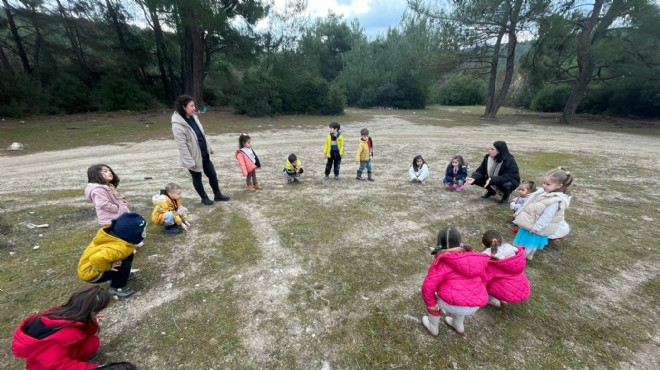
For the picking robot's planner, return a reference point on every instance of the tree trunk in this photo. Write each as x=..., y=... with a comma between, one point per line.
x=76, y=47
x=140, y=75
x=17, y=39
x=164, y=62
x=193, y=58
x=492, y=80
x=5, y=67
x=585, y=60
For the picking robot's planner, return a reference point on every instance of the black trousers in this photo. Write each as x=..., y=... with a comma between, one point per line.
x=507, y=188
x=335, y=159
x=120, y=277
x=209, y=171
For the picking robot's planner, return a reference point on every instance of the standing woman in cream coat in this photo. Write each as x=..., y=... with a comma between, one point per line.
x=194, y=149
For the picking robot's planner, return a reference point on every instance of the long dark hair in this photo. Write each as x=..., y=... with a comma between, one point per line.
x=414, y=164
x=180, y=104
x=242, y=140
x=83, y=305
x=94, y=175
x=502, y=151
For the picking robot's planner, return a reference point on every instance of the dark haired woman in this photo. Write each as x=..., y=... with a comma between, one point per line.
x=498, y=171
x=65, y=337
x=101, y=190
x=194, y=149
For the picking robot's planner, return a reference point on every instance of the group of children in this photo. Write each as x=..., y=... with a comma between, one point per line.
x=455, y=173
x=460, y=280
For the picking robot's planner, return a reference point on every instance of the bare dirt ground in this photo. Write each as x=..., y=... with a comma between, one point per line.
x=397, y=141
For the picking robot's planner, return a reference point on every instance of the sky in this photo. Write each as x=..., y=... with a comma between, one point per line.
x=375, y=16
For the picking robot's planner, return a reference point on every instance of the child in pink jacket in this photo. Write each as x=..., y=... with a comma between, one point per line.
x=102, y=191
x=504, y=276
x=453, y=283
x=248, y=161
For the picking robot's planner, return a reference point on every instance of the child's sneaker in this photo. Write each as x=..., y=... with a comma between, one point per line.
x=458, y=188
x=336, y=177
x=121, y=292
x=326, y=178
x=450, y=186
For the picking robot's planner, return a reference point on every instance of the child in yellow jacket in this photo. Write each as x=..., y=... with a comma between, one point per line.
x=109, y=256
x=364, y=155
x=168, y=210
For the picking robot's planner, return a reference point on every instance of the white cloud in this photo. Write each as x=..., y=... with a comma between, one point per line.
x=375, y=16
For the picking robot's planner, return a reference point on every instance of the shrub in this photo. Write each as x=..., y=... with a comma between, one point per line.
x=117, y=93
x=551, y=98
x=463, y=90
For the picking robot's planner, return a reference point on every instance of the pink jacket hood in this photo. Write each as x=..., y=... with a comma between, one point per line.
x=456, y=278
x=505, y=279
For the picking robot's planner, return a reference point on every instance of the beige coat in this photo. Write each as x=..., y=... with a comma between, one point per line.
x=190, y=156
x=527, y=216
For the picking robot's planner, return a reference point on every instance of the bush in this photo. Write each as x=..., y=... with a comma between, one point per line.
x=551, y=98
x=21, y=95
x=255, y=97
x=117, y=93
x=463, y=90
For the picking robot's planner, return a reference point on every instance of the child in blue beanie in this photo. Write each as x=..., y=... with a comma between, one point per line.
x=110, y=254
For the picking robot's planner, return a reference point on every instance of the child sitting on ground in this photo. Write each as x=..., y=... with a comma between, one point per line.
x=524, y=190
x=419, y=170
x=504, y=277
x=168, y=210
x=453, y=283
x=293, y=168
x=456, y=173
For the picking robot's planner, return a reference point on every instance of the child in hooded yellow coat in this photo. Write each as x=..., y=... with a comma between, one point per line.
x=168, y=210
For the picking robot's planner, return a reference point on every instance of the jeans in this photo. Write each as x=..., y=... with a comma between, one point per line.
x=335, y=159
x=120, y=277
x=168, y=218
x=209, y=171
x=363, y=165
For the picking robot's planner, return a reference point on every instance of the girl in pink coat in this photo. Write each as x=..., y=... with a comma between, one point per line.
x=453, y=283
x=248, y=161
x=504, y=277
x=101, y=190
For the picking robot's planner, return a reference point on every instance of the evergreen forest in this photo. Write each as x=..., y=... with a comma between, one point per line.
x=568, y=56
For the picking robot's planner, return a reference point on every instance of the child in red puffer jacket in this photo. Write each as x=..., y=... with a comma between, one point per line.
x=504, y=276
x=453, y=283
x=65, y=337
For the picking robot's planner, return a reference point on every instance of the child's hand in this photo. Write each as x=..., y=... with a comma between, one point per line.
x=469, y=181
x=115, y=265
x=435, y=308
x=99, y=317
x=357, y=163
x=185, y=225
x=487, y=182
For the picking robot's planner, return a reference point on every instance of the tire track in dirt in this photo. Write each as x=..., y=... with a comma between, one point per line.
x=267, y=285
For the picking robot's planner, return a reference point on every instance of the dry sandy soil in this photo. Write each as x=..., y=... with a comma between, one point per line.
x=396, y=142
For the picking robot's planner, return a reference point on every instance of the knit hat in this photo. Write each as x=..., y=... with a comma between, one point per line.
x=130, y=227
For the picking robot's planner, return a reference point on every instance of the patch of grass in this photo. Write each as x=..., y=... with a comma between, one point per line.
x=46, y=133
x=199, y=330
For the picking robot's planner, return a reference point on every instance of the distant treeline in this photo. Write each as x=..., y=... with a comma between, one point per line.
x=80, y=55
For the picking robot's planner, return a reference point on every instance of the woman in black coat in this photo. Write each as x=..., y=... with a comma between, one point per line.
x=498, y=171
